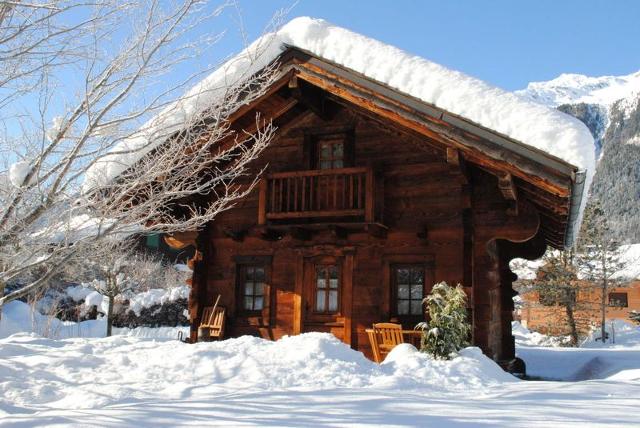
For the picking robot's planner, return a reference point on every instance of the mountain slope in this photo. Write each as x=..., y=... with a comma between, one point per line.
x=580, y=89
x=610, y=107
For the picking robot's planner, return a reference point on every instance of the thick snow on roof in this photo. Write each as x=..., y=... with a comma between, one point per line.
x=531, y=123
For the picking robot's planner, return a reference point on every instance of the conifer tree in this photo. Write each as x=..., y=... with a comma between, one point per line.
x=557, y=284
x=448, y=329
x=600, y=256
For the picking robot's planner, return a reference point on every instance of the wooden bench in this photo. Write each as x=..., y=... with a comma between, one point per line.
x=212, y=324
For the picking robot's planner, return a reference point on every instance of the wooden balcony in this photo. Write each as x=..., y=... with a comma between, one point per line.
x=339, y=193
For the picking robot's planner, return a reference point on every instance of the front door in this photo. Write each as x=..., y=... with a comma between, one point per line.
x=323, y=295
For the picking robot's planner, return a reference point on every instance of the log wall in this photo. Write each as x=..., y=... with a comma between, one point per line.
x=439, y=213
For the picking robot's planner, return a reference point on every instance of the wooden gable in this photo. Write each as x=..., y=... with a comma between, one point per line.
x=308, y=83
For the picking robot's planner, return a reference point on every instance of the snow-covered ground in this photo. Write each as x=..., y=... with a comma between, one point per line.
x=592, y=360
x=307, y=380
x=525, y=337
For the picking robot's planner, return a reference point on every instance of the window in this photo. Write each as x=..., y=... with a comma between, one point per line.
x=252, y=287
x=409, y=289
x=331, y=153
x=327, y=288
x=618, y=300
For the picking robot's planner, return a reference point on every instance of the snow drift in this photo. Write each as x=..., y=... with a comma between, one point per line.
x=90, y=373
x=307, y=380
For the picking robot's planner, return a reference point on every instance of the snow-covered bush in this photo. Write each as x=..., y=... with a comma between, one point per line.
x=132, y=288
x=447, y=330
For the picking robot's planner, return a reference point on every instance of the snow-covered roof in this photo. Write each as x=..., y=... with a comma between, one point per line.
x=531, y=123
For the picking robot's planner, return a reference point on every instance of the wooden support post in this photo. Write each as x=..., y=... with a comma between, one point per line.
x=293, y=82
x=311, y=97
x=455, y=158
x=347, y=297
x=262, y=201
x=369, y=207
x=298, y=316
x=199, y=284
x=508, y=189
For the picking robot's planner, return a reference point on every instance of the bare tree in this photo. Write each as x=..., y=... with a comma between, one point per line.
x=106, y=144
x=113, y=265
x=116, y=269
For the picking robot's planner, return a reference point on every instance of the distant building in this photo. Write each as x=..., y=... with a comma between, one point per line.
x=545, y=316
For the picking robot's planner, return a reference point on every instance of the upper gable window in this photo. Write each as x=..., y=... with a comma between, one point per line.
x=331, y=153
x=329, y=148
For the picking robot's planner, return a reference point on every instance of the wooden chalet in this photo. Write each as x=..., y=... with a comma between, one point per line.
x=543, y=314
x=369, y=197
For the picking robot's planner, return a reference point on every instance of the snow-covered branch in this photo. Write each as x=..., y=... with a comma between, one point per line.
x=112, y=146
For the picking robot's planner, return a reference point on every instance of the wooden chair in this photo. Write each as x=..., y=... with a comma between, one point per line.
x=385, y=336
x=213, y=322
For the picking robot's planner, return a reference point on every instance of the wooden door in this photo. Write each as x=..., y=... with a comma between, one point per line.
x=323, y=295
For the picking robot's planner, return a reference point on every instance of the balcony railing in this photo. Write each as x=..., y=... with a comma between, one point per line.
x=344, y=192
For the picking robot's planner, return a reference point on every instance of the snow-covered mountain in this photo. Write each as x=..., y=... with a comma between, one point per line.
x=610, y=107
x=578, y=88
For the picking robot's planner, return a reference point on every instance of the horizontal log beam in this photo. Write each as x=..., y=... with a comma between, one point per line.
x=306, y=214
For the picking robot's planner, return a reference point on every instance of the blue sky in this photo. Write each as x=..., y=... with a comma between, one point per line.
x=507, y=43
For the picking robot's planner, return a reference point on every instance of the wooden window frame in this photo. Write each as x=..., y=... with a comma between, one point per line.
x=618, y=293
x=242, y=263
x=327, y=288
x=332, y=159
x=243, y=274
x=314, y=136
x=394, y=289
x=388, y=302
